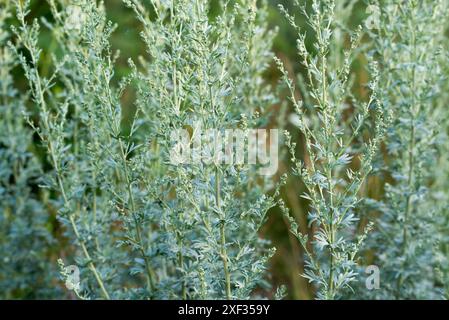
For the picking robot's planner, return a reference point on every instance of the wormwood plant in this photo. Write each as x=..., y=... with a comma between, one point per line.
x=205, y=74
x=441, y=184
x=142, y=227
x=25, y=236
x=137, y=223
x=66, y=133
x=338, y=156
x=408, y=45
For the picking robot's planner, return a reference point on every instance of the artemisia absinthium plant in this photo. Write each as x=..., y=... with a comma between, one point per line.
x=142, y=227
x=26, y=240
x=338, y=148
x=204, y=73
x=408, y=43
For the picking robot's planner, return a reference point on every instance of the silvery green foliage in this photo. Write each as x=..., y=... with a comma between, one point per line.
x=338, y=155
x=441, y=197
x=204, y=74
x=409, y=46
x=25, y=235
x=72, y=128
x=140, y=226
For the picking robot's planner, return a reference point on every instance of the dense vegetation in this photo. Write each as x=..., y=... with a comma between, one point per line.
x=94, y=205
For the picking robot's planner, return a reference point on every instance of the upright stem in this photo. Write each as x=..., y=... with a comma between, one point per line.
x=330, y=293
x=149, y=271
x=40, y=98
x=223, y=253
x=181, y=266
x=174, y=69
x=332, y=236
x=150, y=281
x=410, y=153
x=87, y=255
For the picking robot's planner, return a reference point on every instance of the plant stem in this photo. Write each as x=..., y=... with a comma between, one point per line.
x=91, y=264
x=181, y=266
x=330, y=293
x=410, y=153
x=150, y=281
x=223, y=253
x=40, y=97
x=149, y=271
